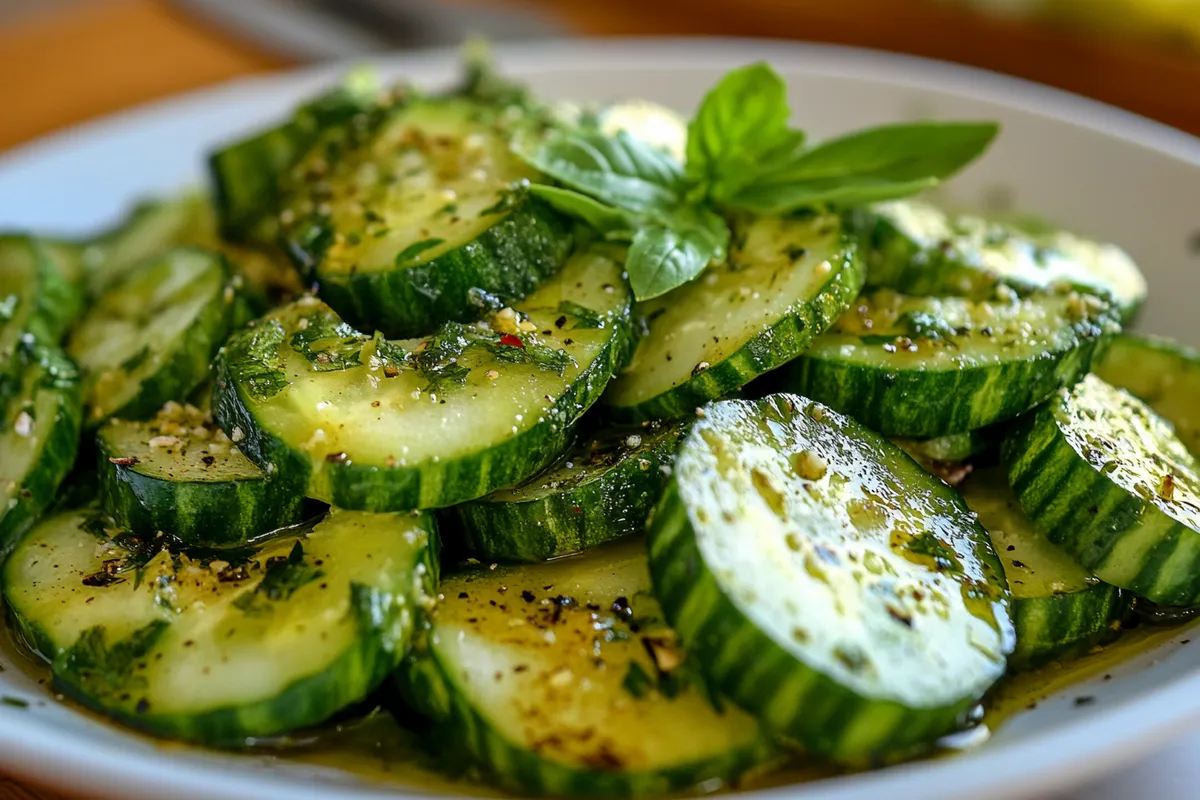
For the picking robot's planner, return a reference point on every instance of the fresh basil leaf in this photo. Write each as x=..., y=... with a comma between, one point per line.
x=740, y=132
x=662, y=258
x=765, y=199
x=619, y=170
x=884, y=163
x=610, y=221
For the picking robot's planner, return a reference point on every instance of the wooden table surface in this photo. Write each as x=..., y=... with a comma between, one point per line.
x=60, y=68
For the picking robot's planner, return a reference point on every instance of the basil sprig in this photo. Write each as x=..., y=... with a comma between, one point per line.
x=742, y=155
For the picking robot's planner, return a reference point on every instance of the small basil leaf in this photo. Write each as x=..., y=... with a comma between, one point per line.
x=740, y=131
x=608, y=220
x=662, y=258
x=619, y=170
x=876, y=164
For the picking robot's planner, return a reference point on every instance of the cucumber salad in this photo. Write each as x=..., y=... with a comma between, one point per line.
x=618, y=452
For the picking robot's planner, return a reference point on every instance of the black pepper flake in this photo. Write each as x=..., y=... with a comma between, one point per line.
x=143, y=706
x=1084, y=700
x=621, y=608
x=558, y=323
x=1010, y=548
x=462, y=595
x=336, y=458
x=209, y=460
x=1018, y=564
x=526, y=595
x=561, y=603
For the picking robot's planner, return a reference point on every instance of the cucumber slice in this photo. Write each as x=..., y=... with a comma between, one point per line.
x=1164, y=374
x=152, y=227
x=787, y=279
x=180, y=474
x=601, y=490
x=421, y=219
x=1059, y=610
x=381, y=425
x=247, y=175
x=931, y=366
x=1105, y=478
x=561, y=679
x=37, y=303
x=38, y=439
x=827, y=583
x=151, y=336
x=221, y=645
x=920, y=249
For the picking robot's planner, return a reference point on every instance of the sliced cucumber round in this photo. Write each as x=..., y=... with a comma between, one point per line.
x=421, y=219
x=1163, y=374
x=922, y=250
x=1105, y=478
x=219, y=645
x=151, y=337
x=151, y=228
x=38, y=303
x=931, y=366
x=562, y=679
x=39, y=437
x=391, y=425
x=179, y=474
x=1058, y=609
x=248, y=175
x=827, y=583
x=599, y=491
x=786, y=280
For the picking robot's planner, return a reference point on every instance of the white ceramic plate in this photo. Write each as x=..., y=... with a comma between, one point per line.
x=1082, y=164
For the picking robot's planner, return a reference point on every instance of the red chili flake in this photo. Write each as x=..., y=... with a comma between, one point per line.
x=511, y=341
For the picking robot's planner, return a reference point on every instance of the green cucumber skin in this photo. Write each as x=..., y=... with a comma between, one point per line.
x=60, y=300
x=603, y=510
x=1065, y=626
x=57, y=304
x=508, y=260
x=247, y=175
x=429, y=485
x=1083, y=512
x=40, y=487
x=926, y=404
x=197, y=512
x=178, y=376
x=768, y=350
x=758, y=674
x=428, y=686
x=305, y=702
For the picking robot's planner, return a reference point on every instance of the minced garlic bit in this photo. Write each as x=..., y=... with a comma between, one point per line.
x=809, y=465
x=633, y=440
x=491, y=374
x=505, y=321
x=164, y=441
x=237, y=434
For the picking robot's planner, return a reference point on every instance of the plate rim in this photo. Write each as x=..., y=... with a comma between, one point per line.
x=1103, y=741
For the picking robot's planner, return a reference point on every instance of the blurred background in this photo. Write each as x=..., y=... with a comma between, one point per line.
x=65, y=61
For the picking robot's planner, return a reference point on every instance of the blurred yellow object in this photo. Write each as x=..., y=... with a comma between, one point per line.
x=1169, y=22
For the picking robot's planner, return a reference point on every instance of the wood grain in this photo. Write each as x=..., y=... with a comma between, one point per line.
x=57, y=69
